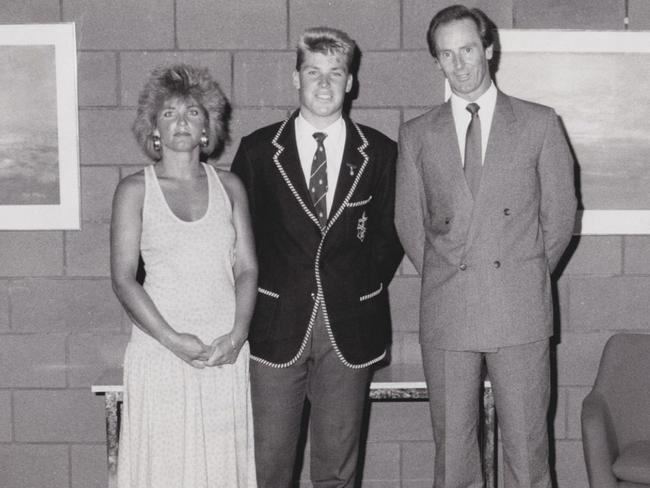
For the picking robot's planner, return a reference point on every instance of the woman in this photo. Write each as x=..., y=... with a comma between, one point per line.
x=186, y=417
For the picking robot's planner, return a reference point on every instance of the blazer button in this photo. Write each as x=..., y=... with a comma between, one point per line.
x=506, y=211
x=447, y=220
x=497, y=264
x=462, y=267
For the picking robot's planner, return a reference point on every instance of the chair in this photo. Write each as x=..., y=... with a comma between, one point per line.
x=616, y=416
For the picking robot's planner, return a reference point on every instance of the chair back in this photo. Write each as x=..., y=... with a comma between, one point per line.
x=624, y=380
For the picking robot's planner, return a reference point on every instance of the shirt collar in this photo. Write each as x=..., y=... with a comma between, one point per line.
x=486, y=101
x=333, y=131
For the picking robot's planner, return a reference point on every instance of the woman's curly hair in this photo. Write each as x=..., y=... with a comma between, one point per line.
x=181, y=81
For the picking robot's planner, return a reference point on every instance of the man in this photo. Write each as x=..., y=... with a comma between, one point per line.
x=485, y=208
x=321, y=191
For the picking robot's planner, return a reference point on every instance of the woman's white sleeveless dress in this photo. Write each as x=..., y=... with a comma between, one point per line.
x=183, y=427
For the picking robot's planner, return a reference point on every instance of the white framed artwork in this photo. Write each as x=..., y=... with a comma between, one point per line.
x=599, y=84
x=39, y=141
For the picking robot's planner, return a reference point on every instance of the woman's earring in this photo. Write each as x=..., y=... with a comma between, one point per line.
x=156, y=142
x=204, y=139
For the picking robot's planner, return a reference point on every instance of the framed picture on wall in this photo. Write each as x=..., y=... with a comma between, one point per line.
x=599, y=84
x=39, y=142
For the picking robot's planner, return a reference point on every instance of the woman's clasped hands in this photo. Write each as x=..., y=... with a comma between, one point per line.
x=223, y=350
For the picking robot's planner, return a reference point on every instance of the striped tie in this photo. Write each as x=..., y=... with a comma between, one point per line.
x=318, y=179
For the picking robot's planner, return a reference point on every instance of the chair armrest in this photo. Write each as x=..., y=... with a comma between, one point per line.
x=599, y=441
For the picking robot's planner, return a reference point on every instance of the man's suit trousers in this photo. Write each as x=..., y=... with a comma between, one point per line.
x=520, y=379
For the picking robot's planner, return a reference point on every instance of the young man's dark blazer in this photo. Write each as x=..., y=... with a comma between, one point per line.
x=347, y=267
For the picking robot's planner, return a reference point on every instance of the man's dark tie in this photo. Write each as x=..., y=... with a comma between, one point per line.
x=473, y=153
x=318, y=179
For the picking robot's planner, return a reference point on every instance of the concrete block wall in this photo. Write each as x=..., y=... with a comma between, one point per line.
x=60, y=324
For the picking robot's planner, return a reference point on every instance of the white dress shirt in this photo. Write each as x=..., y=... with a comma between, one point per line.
x=334, y=144
x=487, y=102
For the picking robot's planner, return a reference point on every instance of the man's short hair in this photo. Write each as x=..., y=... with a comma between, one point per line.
x=325, y=40
x=459, y=12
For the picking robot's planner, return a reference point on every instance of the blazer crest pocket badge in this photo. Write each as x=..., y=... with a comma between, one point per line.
x=361, y=226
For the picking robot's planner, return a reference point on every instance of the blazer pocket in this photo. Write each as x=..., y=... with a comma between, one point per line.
x=264, y=314
x=268, y=293
x=359, y=203
x=372, y=294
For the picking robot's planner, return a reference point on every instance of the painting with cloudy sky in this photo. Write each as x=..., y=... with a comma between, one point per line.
x=603, y=100
x=29, y=165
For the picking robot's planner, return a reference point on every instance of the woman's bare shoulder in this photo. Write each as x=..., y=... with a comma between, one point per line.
x=131, y=189
x=132, y=183
x=231, y=182
x=233, y=186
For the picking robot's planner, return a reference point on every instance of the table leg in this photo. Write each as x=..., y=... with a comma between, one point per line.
x=112, y=436
x=489, y=438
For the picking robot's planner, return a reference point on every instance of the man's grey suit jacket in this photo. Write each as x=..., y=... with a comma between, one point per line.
x=486, y=263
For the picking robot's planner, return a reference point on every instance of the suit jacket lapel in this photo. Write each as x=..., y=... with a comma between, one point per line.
x=444, y=144
x=501, y=143
x=502, y=139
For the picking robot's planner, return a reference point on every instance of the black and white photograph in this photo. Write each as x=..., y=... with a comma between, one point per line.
x=324, y=244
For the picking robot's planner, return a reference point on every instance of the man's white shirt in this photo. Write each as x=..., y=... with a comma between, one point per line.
x=334, y=145
x=487, y=103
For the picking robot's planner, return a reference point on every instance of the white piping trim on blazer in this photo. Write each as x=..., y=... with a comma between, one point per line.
x=320, y=297
x=303, y=345
x=359, y=203
x=331, y=221
x=268, y=293
x=372, y=294
x=284, y=174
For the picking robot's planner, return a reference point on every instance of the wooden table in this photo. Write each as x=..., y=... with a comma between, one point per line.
x=396, y=383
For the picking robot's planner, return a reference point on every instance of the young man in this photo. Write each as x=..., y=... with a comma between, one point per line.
x=485, y=208
x=321, y=191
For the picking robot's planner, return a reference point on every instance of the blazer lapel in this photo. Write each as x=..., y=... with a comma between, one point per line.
x=351, y=165
x=287, y=161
